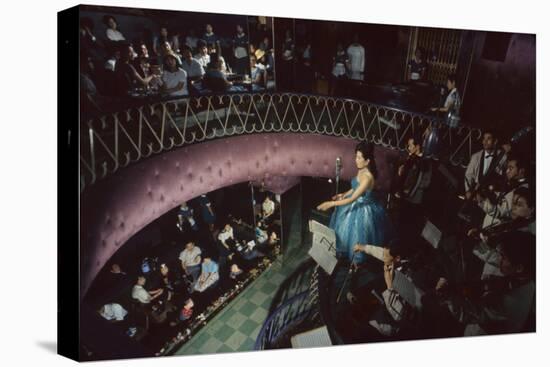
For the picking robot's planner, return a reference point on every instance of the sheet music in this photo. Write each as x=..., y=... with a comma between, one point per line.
x=314, y=338
x=432, y=234
x=407, y=289
x=323, y=235
x=324, y=258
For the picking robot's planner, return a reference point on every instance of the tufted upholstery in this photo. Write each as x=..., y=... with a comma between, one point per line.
x=116, y=208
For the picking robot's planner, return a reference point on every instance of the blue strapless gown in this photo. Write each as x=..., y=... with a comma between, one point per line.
x=364, y=221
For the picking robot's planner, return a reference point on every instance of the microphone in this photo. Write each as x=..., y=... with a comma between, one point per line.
x=338, y=166
x=338, y=170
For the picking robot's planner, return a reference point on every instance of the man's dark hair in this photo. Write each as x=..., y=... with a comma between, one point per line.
x=527, y=194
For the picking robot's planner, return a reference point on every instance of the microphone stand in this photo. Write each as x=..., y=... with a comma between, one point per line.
x=338, y=169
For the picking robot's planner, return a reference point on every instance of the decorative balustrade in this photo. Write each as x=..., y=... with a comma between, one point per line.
x=113, y=141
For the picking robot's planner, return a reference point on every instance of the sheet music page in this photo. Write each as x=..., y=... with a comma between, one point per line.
x=314, y=338
x=316, y=227
x=432, y=234
x=326, y=259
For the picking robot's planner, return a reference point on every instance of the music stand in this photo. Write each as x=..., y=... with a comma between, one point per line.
x=323, y=246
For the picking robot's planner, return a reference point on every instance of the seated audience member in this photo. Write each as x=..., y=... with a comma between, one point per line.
x=248, y=250
x=268, y=208
x=191, y=260
x=261, y=233
x=497, y=202
x=113, y=312
x=166, y=49
x=192, y=67
x=226, y=238
x=214, y=79
x=168, y=281
x=174, y=79
x=203, y=57
x=209, y=275
x=185, y=213
x=112, y=33
x=113, y=58
x=270, y=245
x=185, y=313
x=162, y=38
x=216, y=54
x=143, y=67
x=187, y=310
x=143, y=51
x=126, y=76
x=143, y=296
x=235, y=272
x=115, y=269
x=273, y=238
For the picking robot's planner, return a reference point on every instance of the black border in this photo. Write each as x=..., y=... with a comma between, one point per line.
x=68, y=186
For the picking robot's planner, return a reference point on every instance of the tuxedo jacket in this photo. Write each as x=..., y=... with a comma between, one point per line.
x=474, y=171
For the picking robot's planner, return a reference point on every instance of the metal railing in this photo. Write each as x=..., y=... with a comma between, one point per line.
x=116, y=140
x=296, y=302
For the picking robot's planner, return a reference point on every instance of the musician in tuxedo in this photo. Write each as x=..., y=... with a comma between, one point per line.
x=522, y=218
x=485, y=164
x=412, y=180
x=496, y=202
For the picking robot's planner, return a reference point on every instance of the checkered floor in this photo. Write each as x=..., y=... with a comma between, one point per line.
x=236, y=327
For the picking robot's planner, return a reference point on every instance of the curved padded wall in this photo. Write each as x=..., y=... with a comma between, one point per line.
x=116, y=208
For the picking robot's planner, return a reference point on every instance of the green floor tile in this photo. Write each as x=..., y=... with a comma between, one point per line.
x=225, y=332
x=211, y=346
x=236, y=340
x=248, y=344
x=267, y=303
x=248, y=327
x=259, y=315
x=258, y=298
x=248, y=308
x=236, y=320
x=269, y=288
x=225, y=349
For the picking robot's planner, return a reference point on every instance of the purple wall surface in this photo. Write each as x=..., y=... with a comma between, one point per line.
x=116, y=208
x=502, y=93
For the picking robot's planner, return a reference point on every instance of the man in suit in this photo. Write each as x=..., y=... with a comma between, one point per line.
x=486, y=163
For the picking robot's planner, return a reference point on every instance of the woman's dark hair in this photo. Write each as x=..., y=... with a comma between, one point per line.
x=106, y=18
x=367, y=150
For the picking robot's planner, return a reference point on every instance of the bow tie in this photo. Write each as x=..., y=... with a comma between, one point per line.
x=489, y=156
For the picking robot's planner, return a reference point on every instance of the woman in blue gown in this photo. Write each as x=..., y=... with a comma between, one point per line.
x=359, y=218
